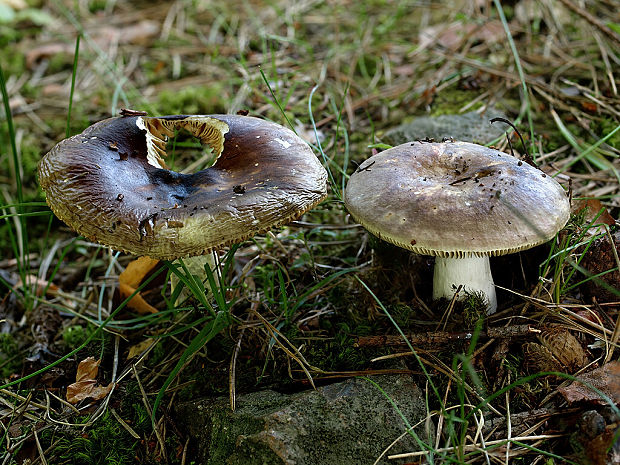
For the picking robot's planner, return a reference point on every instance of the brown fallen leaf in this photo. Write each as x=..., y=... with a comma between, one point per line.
x=590, y=209
x=140, y=347
x=130, y=279
x=452, y=36
x=85, y=386
x=606, y=379
x=40, y=285
x=139, y=33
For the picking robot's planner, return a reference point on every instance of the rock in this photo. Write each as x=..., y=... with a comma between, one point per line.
x=468, y=127
x=339, y=424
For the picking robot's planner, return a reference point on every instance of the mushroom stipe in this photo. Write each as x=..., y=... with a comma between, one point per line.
x=111, y=185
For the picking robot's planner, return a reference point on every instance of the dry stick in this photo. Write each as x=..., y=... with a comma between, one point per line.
x=508, y=422
x=41, y=454
x=124, y=424
x=184, y=455
x=446, y=315
x=471, y=447
x=439, y=337
x=592, y=20
x=616, y=334
x=149, y=410
x=232, y=372
x=479, y=426
x=608, y=67
x=441, y=368
x=440, y=422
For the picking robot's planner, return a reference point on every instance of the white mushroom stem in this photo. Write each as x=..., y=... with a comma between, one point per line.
x=474, y=273
x=196, y=266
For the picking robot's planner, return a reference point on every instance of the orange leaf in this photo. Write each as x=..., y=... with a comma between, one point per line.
x=137, y=302
x=137, y=270
x=131, y=278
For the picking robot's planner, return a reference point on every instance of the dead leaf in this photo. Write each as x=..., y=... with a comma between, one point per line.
x=130, y=279
x=137, y=270
x=590, y=208
x=137, y=349
x=452, y=36
x=41, y=285
x=138, y=33
x=606, y=379
x=137, y=302
x=36, y=54
x=85, y=386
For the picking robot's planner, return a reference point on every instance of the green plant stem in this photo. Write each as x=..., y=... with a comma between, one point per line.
x=73, y=75
x=316, y=135
x=9, y=121
x=515, y=54
x=275, y=99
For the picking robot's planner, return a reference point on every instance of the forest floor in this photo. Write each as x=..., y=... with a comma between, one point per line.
x=310, y=302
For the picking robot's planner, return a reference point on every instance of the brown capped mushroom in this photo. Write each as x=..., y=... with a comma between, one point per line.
x=460, y=202
x=111, y=185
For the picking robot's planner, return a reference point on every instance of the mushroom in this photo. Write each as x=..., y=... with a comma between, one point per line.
x=110, y=183
x=460, y=202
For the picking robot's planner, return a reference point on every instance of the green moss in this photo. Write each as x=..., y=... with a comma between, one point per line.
x=13, y=62
x=106, y=442
x=450, y=101
x=191, y=100
x=60, y=62
x=10, y=362
x=604, y=127
x=97, y=5
x=74, y=335
x=474, y=309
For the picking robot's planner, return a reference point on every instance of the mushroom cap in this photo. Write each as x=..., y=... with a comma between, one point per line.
x=455, y=199
x=109, y=183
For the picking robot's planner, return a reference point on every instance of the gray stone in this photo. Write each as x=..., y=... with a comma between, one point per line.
x=468, y=127
x=345, y=423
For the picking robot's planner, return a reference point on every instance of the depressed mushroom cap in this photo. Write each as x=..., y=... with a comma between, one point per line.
x=455, y=199
x=110, y=184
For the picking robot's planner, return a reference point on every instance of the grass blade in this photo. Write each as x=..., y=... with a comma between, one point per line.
x=73, y=75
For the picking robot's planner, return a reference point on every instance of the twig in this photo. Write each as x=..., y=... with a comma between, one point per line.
x=470, y=447
x=41, y=454
x=592, y=20
x=440, y=337
x=232, y=372
x=149, y=410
